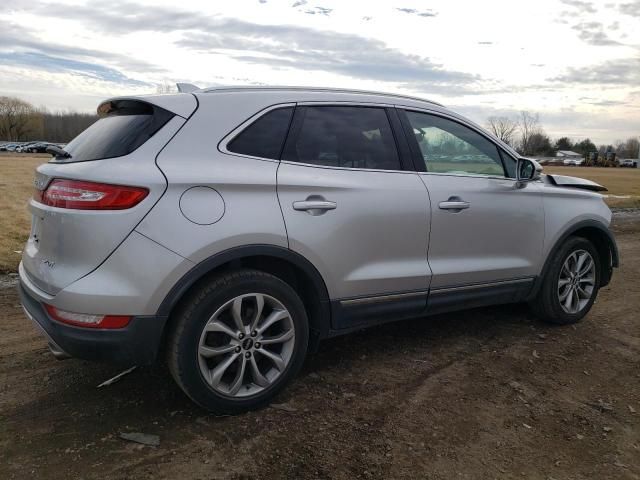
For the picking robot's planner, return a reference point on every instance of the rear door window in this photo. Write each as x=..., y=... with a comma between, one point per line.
x=265, y=137
x=123, y=126
x=347, y=137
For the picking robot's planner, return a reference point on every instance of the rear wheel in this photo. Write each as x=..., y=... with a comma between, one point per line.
x=571, y=283
x=238, y=340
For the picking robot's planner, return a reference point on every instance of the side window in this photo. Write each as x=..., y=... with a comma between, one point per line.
x=449, y=147
x=351, y=137
x=265, y=137
x=509, y=164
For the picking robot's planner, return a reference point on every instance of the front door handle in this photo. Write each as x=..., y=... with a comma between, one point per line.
x=454, y=204
x=314, y=206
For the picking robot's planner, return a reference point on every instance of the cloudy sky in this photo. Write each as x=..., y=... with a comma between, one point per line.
x=575, y=62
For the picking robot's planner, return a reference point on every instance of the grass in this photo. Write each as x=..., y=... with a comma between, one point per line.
x=16, y=187
x=621, y=182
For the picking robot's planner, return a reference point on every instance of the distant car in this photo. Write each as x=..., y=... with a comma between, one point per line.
x=573, y=162
x=629, y=163
x=40, y=147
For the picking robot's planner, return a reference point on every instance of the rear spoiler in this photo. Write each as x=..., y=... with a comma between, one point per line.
x=177, y=103
x=574, y=182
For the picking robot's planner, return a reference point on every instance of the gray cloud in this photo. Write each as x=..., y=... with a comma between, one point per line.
x=308, y=49
x=593, y=33
x=632, y=8
x=19, y=46
x=319, y=11
x=413, y=11
x=585, y=7
x=278, y=46
x=624, y=71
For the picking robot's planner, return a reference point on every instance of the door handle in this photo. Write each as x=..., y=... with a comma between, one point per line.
x=454, y=204
x=314, y=207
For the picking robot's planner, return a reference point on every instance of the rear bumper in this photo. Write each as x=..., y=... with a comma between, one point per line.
x=136, y=344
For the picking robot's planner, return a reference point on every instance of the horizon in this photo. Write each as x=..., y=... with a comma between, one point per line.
x=575, y=63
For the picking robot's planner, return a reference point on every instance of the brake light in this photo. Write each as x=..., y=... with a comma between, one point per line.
x=83, y=195
x=87, y=320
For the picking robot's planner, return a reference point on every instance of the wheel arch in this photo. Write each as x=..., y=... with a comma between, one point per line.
x=601, y=238
x=281, y=262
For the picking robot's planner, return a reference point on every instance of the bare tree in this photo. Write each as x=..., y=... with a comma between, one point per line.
x=504, y=128
x=632, y=147
x=17, y=118
x=166, y=87
x=529, y=124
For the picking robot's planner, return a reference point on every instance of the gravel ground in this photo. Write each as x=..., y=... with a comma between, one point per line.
x=487, y=393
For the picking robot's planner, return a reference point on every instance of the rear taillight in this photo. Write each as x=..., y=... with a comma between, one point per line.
x=82, y=195
x=87, y=320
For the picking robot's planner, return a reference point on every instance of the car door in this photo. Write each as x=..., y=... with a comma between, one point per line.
x=354, y=211
x=487, y=229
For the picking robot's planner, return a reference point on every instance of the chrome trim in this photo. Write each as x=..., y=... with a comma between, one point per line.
x=475, y=286
x=382, y=298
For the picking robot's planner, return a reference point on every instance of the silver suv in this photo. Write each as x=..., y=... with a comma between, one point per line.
x=232, y=229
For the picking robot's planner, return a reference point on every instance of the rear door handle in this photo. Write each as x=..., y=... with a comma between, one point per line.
x=455, y=204
x=314, y=207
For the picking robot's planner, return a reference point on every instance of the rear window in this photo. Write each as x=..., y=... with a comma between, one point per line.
x=265, y=137
x=123, y=126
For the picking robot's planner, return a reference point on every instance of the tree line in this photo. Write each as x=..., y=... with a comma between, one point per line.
x=527, y=136
x=20, y=121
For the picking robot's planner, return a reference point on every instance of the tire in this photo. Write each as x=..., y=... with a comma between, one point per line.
x=195, y=357
x=552, y=303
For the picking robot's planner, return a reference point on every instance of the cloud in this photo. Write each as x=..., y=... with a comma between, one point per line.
x=64, y=65
x=276, y=46
x=632, y=8
x=593, y=33
x=624, y=71
x=413, y=11
x=285, y=46
x=299, y=3
x=20, y=39
x=584, y=7
x=319, y=11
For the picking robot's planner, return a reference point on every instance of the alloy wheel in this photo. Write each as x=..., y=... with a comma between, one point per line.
x=576, y=281
x=246, y=345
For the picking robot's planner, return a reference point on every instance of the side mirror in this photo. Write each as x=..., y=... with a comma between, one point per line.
x=528, y=170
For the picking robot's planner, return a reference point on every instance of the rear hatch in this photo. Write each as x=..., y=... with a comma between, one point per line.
x=87, y=203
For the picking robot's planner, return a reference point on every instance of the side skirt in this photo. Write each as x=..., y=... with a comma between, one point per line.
x=357, y=313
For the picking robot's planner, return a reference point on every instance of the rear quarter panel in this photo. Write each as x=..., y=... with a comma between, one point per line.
x=251, y=213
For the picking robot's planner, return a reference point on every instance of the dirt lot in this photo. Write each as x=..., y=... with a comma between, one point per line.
x=488, y=393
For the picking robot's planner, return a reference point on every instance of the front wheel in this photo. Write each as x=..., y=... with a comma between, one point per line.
x=237, y=341
x=571, y=283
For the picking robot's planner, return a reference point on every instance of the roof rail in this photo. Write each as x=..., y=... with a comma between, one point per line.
x=314, y=89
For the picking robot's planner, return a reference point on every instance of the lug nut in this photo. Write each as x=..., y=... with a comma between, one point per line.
x=238, y=349
x=247, y=355
x=254, y=333
x=257, y=345
x=241, y=336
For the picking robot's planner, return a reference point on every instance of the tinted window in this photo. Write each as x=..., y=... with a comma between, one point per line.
x=123, y=127
x=352, y=137
x=265, y=137
x=509, y=164
x=449, y=147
